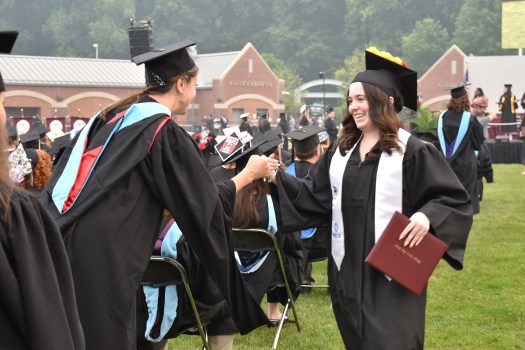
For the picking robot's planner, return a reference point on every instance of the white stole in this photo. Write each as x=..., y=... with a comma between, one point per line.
x=388, y=197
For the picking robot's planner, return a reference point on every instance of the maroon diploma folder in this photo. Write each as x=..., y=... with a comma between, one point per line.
x=410, y=267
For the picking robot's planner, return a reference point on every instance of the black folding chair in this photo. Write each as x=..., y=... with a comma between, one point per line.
x=254, y=240
x=164, y=271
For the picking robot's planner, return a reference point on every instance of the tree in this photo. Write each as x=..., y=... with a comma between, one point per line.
x=378, y=21
x=76, y=26
x=478, y=27
x=425, y=44
x=351, y=66
x=291, y=80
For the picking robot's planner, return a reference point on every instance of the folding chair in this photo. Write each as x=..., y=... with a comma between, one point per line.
x=312, y=260
x=254, y=240
x=162, y=271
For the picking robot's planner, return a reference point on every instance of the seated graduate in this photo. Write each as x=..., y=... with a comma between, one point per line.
x=165, y=312
x=271, y=144
x=38, y=310
x=374, y=169
x=111, y=186
x=306, y=148
x=29, y=168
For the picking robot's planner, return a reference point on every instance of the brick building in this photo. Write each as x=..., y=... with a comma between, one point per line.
x=447, y=72
x=65, y=91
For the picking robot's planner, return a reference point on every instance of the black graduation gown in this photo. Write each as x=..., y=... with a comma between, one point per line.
x=331, y=129
x=110, y=231
x=371, y=312
x=464, y=162
x=316, y=246
x=245, y=126
x=507, y=116
x=38, y=310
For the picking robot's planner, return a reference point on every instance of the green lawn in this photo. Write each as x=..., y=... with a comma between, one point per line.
x=480, y=307
x=512, y=25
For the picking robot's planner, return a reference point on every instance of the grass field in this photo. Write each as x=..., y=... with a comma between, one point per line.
x=512, y=25
x=481, y=307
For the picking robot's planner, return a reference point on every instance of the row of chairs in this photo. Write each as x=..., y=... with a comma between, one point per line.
x=163, y=270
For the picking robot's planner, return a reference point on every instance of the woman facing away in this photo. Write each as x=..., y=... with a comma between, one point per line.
x=111, y=186
x=460, y=136
x=374, y=169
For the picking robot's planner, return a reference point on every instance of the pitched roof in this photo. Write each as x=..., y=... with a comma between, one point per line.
x=68, y=71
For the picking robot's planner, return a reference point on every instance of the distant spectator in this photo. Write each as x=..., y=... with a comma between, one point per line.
x=507, y=107
x=264, y=124
x=305, y=116
x=245, y=125
x=478, y=92
x=330, y=126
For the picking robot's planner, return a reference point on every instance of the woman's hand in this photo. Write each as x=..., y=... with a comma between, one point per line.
x=257, y=167
x=415, y=230
x=262, y=167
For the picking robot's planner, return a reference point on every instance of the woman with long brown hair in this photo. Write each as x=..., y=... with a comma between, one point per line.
x=112, y=184
x=374, y=169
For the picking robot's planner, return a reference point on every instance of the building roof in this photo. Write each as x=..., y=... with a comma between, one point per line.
x=213, y=66
x=68, y=71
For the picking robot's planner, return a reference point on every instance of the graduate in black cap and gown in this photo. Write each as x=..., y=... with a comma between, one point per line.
x=111, y=186
x=507, y=106
x=38, y=310
x=374, y=169
x=460, y=136
x=307, y=150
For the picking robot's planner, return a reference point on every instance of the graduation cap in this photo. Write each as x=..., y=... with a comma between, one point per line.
x=394, y=78
x=60, y=143
x=244, y=116
x=7, y=41
x=30, y=139
x=270, y=139
x=508, y=86
x=305, y=139
x=229, y=147
x=459, y=90
x=166, y=62
x=242, y=158
x=39, y=127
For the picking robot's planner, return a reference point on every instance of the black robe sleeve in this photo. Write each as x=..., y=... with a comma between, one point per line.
x=37, y=299
x=305, y=202
x=477, y=133
x=435, y=190
x=184, y=187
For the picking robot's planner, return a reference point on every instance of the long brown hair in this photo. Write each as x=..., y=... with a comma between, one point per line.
x=6, y=185
x=382, y=113
x=245, y=213
x=459, y=104
x=41, y=172
x=150, y=90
